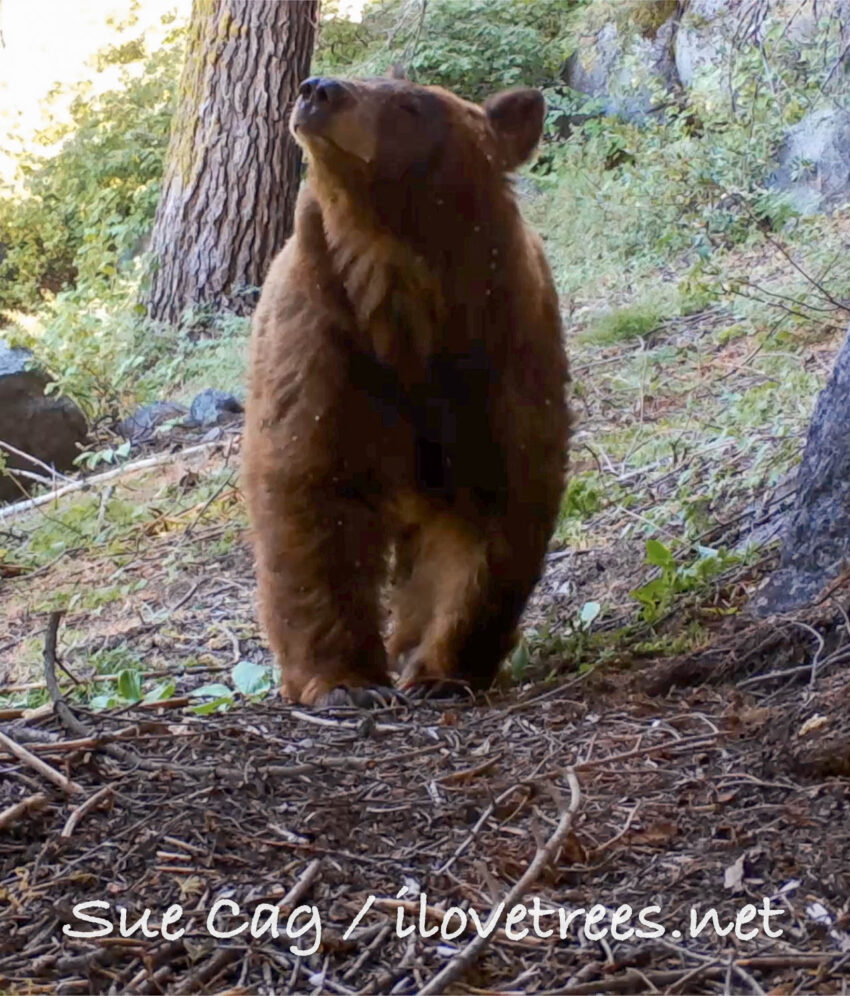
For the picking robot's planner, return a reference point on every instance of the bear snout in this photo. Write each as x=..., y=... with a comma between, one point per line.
x=323, y=92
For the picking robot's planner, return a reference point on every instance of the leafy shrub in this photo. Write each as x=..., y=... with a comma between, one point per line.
x=473, y=47
x=81, y=206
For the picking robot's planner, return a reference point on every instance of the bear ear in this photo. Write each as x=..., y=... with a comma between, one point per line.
x=397, y=72
x=516, y=116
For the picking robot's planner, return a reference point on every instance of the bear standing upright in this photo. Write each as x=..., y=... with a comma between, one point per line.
x=407, y=400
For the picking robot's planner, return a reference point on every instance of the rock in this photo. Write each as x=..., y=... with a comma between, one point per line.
x=142, y=424
x=814, y=161
x=705, y=36
x=49, y=427
x=816, y=542
x=629, y=72
x=210, y=406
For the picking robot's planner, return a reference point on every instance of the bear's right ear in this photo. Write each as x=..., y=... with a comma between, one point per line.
x=516, y=116
x=397, y=72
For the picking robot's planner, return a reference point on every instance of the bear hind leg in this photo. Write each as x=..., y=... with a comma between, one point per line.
x=440, y=604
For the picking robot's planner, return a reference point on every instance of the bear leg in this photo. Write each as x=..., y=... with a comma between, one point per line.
x=472, y=585
x=320, y=561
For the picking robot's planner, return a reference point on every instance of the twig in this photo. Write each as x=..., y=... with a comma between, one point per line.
x=30, y=802
x=44, y=769
x=195, y=980
x=63, y=710
x=344, y=724
x=86, y=807
x=300, y=888
x=699, y=740
x=85, y=483
x=445, y=978
x=52, y=472
x=482, y=819
x=467, y=774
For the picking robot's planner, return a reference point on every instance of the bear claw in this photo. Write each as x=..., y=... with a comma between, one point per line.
x=369, y=697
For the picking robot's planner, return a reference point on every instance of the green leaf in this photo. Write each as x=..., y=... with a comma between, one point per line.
x=519, y=661
x=99, y=702
x=250, y=678
x=216, y=691
x=216, y=705
x=658, y=555
x=129, y=684
x=589, y=612
x=164, y=690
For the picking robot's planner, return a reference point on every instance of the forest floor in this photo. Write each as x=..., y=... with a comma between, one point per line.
x=666, y=751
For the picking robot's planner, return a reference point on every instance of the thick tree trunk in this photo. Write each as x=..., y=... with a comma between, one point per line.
x=232, y=170
x=816, y=544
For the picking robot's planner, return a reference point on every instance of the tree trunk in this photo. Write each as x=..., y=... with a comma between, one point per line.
x=816, y=543
x=232, y=170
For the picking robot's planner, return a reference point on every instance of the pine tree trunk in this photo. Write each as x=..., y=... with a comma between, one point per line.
x=816, y=544
x=232, y=170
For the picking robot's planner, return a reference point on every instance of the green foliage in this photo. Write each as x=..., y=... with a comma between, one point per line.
x=473, y=47
x=657, y=595
x=631, y=322
x=84, y=201
x=251, y=680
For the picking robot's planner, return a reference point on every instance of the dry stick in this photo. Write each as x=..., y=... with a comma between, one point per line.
x=441, y=982
x=196, y=980
x=63, y=710
x=86, y=807
x=467, y=774
x=36, y=763
x=110, y=475
x=299, y=889
x=34, y=461
x=10, y=814
x=488, y=812
x=67, y=717
x=344, y=724
x=699, y=740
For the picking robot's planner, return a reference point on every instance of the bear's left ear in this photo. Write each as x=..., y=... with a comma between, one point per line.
x=516, y=116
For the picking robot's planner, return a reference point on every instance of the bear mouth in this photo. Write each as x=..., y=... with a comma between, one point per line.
x=318, y=131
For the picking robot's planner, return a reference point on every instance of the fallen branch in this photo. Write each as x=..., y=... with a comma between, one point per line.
x=52, y=472
x=86, y=807
x=44, y=769
x=86, y=483
x=458, y=965
x=11, y=813
x=300, y=888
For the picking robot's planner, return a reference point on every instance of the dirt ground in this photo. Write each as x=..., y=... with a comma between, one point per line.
x=718, y=779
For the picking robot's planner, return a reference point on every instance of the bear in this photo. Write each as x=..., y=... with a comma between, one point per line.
x=406, y=429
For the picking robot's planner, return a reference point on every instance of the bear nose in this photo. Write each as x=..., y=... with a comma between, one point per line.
x=322, y=90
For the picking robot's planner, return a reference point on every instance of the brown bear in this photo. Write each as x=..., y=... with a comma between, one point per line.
x=407, y=411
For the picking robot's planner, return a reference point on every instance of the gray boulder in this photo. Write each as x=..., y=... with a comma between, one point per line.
x=50, y=428
x=211, y=407
x=704, y=38
x=814, y=161
x=629, y=72
x=816, y=542
x=141, y=426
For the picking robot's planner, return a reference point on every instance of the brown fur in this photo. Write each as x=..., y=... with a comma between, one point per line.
x=407, y=393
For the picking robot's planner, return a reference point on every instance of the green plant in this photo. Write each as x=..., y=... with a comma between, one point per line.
x=657, y=595
x=128, y=691
x=473, y=47
x=78, y=215
x=631, y=322
x=253, y=681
